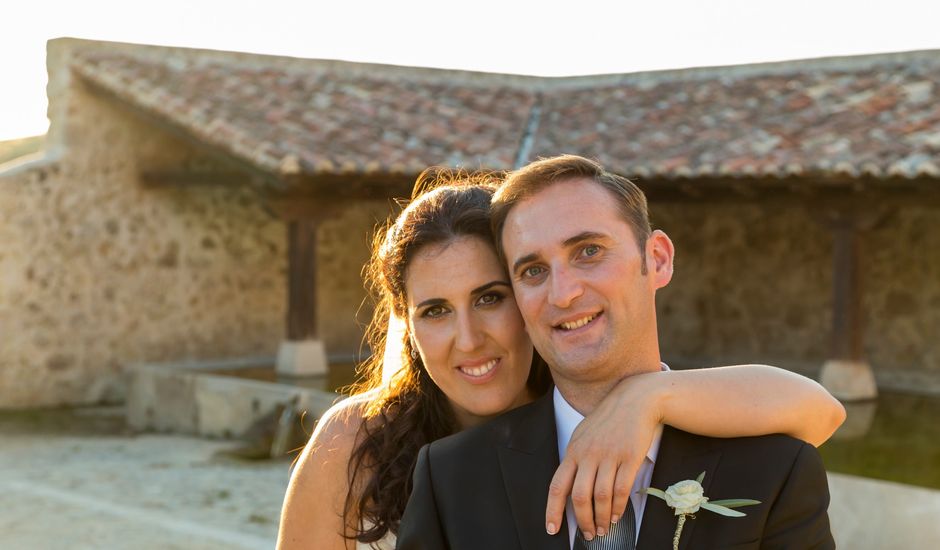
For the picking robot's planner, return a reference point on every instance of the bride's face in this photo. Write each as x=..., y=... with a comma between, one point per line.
x=467, y=328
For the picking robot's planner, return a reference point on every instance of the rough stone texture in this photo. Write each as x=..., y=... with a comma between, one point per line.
x=753, y=284
x=343, y=248
x=903, y=296
x=734, y=266
x=98, y=271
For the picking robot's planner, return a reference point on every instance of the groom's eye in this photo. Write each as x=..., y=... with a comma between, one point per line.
x=590, y=250
x=532, y=271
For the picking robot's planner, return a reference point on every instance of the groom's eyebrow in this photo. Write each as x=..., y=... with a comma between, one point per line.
x=524, y=260
x=581, y=237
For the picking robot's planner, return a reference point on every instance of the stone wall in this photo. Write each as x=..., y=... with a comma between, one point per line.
x=98, y=270
x=753, y=284
x=343, y=245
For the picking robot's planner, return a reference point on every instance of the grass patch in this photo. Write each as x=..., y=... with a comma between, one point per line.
x=98, y=421
x=902, y=444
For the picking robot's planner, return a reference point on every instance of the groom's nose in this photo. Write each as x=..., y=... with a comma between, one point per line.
x=564, y=286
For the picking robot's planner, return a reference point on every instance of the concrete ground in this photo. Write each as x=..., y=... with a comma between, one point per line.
x=79, y=480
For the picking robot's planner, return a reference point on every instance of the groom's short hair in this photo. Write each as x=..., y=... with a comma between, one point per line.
x=530, y=179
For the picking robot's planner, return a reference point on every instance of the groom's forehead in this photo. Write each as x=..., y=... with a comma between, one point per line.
x=556, y=214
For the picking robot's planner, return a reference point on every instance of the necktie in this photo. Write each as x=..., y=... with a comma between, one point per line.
x=622, y=535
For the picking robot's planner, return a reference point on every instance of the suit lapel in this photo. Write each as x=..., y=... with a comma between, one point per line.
x=528, y=457
x=679, y=458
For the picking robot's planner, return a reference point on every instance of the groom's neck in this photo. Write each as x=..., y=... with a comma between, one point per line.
x=584, y=395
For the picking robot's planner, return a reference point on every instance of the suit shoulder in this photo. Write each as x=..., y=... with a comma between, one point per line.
x=774, y=451
x=777, y=442
x=485, y=436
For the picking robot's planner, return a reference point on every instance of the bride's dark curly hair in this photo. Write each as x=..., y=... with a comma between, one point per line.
x=409, y=410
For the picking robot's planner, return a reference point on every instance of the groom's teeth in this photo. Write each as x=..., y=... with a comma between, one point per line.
x=579, y=323
x=481, y=370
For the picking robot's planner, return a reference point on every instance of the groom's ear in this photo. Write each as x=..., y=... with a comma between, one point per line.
x=660, y=253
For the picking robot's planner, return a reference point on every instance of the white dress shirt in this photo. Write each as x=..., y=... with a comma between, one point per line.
x=566, y=420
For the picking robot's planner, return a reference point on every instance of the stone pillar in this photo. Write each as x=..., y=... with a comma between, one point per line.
x=847, y=375
x=303, y=353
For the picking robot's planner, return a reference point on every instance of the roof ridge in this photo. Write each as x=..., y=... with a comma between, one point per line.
x=766, y=68
x=203, y=57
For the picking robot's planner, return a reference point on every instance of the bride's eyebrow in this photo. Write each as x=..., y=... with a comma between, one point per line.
x=477, y=290
x=490, y=285
x=431, y=302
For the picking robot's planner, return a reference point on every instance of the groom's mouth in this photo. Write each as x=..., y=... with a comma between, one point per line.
x=577, y=323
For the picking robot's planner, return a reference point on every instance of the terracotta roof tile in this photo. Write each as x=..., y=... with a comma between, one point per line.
x=290, y=122
x=879, y=120
x=873, y=116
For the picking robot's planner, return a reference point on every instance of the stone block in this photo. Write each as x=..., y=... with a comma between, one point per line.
x=302, y=358
x=849, y=380
x=228, y=406
x=161, y=398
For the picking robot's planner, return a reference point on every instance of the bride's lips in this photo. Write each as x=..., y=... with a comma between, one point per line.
x=479, y=371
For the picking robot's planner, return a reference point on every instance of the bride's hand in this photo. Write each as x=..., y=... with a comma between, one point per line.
x=603, y=457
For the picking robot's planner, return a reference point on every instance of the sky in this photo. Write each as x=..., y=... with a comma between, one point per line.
x=527, y=37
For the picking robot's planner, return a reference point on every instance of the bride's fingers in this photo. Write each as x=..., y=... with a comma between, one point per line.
x=558, y=492
x=603, y=493
x=582, y=497
x=623, y=486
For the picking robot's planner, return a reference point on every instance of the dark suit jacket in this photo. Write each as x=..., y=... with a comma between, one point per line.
x=486, y=488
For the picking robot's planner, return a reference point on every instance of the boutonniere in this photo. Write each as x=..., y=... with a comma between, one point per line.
x=687, y=496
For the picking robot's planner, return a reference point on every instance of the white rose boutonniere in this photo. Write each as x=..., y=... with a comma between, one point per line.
x=687, y=497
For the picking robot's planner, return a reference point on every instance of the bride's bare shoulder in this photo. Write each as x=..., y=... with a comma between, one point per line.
x=314, y=506
x=337, y=429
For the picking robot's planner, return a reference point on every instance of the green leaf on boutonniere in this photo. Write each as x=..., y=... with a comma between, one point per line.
x=655, y=492
x=722, y=510
x=735, y=502
x=700, y=477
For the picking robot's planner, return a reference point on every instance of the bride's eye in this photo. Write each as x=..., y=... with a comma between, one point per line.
x=489, y=299
x=434, y=312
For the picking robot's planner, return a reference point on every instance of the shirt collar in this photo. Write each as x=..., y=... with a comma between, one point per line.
x=567, y=419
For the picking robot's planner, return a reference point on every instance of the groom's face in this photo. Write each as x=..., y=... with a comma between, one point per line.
x=577, y=274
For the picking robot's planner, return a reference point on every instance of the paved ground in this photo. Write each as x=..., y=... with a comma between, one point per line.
x=78, y=480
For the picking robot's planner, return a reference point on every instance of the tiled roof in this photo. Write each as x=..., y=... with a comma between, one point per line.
x=289, y=121
x=881, y=121
x=868, y=116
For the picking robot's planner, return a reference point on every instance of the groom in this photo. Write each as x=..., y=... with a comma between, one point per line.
x=585, y=268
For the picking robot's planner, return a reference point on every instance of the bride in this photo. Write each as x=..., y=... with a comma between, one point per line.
x=465, y=357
